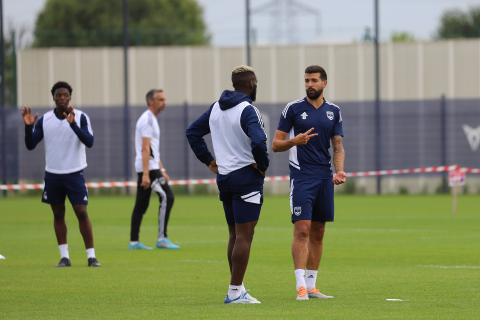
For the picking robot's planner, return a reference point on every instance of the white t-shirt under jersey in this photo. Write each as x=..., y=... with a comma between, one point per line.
x=147, y=127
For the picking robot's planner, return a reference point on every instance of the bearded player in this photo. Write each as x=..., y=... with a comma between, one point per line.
x=311, y=123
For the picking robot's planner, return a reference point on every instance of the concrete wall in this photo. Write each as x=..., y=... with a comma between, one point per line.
x=197, y=75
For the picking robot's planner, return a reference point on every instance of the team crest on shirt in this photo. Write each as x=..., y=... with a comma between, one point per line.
x=330, y=115
x=304, y=115
x=297, y=211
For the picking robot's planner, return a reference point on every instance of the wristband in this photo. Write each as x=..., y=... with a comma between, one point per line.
x=163, y=170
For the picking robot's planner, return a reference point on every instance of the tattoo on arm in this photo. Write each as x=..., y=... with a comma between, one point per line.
x=338, y=153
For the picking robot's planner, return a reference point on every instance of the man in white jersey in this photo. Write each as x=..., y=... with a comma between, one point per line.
x=66, y=133
x=311, y=123
x=151, y=174
x=239, y=143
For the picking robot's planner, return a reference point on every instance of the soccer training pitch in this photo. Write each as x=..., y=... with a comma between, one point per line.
x=390, y=247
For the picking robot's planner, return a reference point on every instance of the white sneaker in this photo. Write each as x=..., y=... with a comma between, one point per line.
x=315, y=293
x=242, y=299
x=302, y=293
x=248, y=296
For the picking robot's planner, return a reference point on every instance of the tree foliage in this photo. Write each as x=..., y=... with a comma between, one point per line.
x=456, y=23
x=402, y=36
x=79, y=23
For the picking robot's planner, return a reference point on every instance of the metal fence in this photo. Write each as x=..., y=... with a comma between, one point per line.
x=413, y=134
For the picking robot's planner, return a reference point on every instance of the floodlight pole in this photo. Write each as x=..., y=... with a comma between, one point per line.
x=2, y=101
x=125, y=88
x=378, y=163
x=247, y=2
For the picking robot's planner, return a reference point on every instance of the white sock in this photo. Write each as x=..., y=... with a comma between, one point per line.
x=243, y=290
x=90, y=253
x=64, y=251
x=311, y=279
x=160, y=239
x=300, y=276
x=234, y=292
x=132, y=243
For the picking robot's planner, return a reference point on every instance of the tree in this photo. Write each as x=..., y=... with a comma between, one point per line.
x=402, y=36
x=458, y=24
x=74, y=23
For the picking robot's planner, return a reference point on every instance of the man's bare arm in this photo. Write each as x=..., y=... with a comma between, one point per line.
x=338, y=160
x=279, y=143
x=338, y=153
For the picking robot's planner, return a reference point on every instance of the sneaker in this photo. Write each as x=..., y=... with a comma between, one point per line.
x=315, y=293
x=242, y=299
x=92, y=262
x=139, y=246
x=166, y=244
x=302, y=293
x=248, y=296
x=64, y=262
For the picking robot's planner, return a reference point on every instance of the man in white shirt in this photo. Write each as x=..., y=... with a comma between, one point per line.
x=66, y=134
x=151, y=174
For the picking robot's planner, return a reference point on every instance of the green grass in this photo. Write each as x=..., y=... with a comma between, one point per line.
x=378, y=248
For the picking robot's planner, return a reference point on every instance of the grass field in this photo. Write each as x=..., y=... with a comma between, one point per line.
x=391, y=247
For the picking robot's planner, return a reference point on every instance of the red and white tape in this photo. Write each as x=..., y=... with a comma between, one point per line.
x=277, y=178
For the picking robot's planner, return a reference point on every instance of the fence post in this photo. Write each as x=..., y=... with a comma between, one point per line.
x=187, y=151
x=443, y=137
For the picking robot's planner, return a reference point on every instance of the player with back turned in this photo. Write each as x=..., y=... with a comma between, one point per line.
x=239, y=143
x=66, y=132
x=311, y=123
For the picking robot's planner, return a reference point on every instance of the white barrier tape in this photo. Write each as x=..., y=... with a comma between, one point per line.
x=276, y=178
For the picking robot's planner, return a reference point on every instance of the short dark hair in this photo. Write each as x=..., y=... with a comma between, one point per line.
x=241, y=75
x=61, y=84
x=151, y=94
x=317, y=69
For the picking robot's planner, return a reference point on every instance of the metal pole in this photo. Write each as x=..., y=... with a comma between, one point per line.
x=125, y=88
x=187, y=151
x=378, y=163
x=248, y=32
x=443, y=136
x=2, y=101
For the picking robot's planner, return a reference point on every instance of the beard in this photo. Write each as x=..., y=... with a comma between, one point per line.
x=253, y=95
x=314, y=95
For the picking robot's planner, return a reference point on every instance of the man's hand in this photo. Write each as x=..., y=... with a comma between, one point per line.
x=145, y=180
x=303, y=138
x=166, y=176
x=213, y=166
x=27, y=116
x=339, y=178
x=261, y=172
x=71, y=115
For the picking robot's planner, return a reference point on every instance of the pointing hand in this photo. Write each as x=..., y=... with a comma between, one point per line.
x=303, y=138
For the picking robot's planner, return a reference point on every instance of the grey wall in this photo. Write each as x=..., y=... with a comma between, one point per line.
x=409, y=71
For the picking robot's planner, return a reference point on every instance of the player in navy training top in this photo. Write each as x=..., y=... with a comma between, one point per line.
x=311, y=123
x=66, y=132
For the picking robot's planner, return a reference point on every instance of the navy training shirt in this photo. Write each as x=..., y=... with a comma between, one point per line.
x=311, y=161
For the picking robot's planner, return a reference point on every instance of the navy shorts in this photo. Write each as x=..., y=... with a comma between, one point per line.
x=59, y=186
x=311, y=199
x=241, y=207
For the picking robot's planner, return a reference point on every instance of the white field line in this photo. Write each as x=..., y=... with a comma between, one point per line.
x=208, y=261
x=452, y=237
x=327, y=229
x=218, y=241
x=451, y=267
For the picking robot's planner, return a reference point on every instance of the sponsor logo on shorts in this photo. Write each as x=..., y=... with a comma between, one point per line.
x=297, y=211
x=85, y=199
x=330, y=115
x=45, y=195
x=162, y=180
